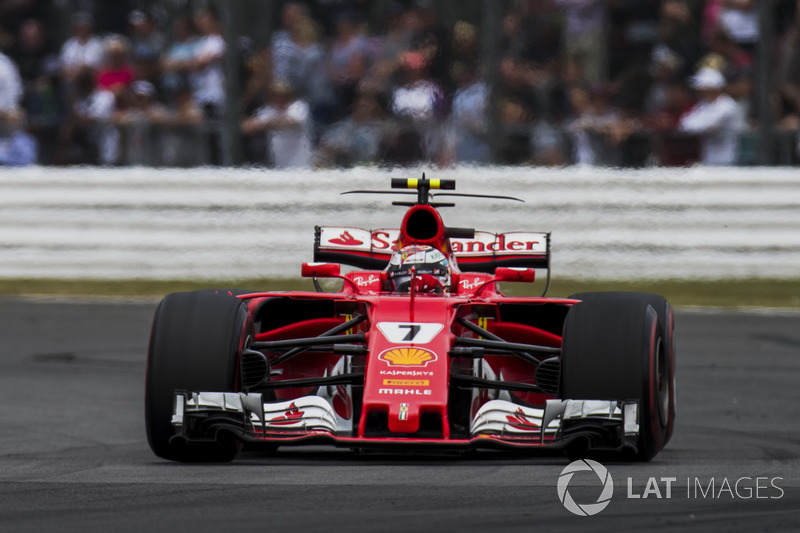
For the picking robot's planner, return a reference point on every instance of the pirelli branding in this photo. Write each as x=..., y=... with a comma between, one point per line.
x=407, y=382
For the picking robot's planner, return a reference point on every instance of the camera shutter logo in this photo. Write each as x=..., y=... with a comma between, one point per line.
x=586, y=509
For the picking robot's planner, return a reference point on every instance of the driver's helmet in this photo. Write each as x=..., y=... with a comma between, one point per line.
x=432, y=270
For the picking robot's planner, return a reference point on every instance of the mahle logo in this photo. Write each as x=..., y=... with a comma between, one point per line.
x=585, y=509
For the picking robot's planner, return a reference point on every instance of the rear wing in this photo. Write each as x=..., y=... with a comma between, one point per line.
x=372, y=249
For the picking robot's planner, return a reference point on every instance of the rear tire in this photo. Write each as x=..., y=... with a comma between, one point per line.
x=665, y=315
x=614, y=349
x=195, y=342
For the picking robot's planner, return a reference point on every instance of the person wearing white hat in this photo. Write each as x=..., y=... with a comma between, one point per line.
x=717, y=119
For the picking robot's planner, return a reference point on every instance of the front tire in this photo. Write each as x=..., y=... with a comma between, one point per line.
x=195, y=344
x=666, y=316
x=614, y=349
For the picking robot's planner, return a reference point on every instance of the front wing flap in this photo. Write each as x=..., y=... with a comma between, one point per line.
x=603, y=424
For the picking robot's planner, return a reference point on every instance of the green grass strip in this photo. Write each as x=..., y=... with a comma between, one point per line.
x=750, y=293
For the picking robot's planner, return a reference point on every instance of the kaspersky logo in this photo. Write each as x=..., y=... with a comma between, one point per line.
x=604, y=477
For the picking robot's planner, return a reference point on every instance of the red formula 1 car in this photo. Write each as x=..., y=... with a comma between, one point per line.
x=419, y=349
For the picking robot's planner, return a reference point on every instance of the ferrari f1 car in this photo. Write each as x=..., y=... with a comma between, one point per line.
x=419, y=349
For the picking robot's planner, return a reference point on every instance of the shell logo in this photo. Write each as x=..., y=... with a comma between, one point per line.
x=407, y=356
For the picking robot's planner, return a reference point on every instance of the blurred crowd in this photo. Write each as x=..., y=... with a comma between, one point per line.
x=621, y=83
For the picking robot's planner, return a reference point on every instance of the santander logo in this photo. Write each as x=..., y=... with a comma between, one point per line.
x=503, y=243
x=484, y=243
x=345, y=239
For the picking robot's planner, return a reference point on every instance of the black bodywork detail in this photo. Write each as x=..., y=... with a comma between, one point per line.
x=275, y=313
x=549, y=317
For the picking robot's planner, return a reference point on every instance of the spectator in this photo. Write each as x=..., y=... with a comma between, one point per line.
x=83, y=50
x=207, y=77
x=419, y=103
x=465, y=46
x=17, y=147
x=516, y=84
x=181, y=134
x=431, y=39
x=737, y=69
x=177, y=60
x=468, y=119
x=11, y=89
x=88, y=127
x=13, y=14
x=294, y=46
x=141, y=139
x=665, y=66
x=593, y=118
x=633, y=31
x=544, y=47
x=585, y=37
x=716, y=119
x=356, y=139
x=38, y=68
x=540, y=62
x=788, y=78
x=348, y=60
x=287, y=120
x=662, y=120
x=517, y=105
x=711, y=13
x=739, y=19
x=396, y=41
x=514, y=39
x=292, y=15
x=737, y=60
x=547, y=144
x=30, y=54
x=259, y=79
x=117, y=73
x=679, y=30
x=146, y=39
x=740, y=88
x=304, y=59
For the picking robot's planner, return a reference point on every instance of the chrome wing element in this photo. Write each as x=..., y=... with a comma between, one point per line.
x=308, y=413
x=503, y=418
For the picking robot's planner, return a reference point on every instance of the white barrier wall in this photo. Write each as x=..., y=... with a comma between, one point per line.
x=698, y=223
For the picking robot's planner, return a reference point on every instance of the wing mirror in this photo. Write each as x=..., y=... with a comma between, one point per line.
x=515, y=275
x=508, y=274
x=321, y=270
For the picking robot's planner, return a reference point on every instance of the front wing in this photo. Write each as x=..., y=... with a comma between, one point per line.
x=602, y=425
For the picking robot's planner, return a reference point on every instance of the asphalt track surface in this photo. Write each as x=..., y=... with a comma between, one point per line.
x=73, y=453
